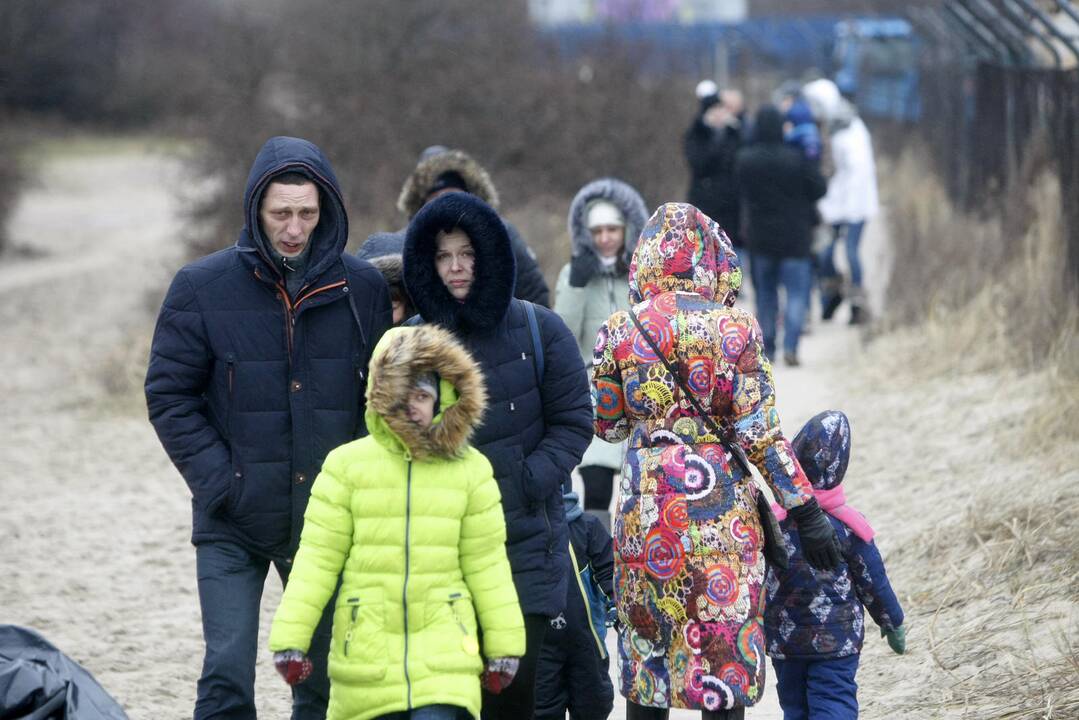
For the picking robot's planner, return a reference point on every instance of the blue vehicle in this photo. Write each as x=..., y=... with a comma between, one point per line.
x=876, y=62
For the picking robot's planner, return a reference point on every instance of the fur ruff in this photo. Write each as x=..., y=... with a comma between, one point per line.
x=409, y=352
x=391, y=267
x=418, y=184
x=495, y=273
x=585, y=263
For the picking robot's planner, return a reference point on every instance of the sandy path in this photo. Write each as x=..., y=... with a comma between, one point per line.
x=94, y=521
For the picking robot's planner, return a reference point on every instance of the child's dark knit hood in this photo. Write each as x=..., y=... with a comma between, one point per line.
x=823, y=449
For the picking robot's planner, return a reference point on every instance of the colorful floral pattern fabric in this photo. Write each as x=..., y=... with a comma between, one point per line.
x=688, y=565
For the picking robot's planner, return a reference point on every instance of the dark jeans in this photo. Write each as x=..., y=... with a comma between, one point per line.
x=231, y=581
x=598, y=486
x=794, y=274
x=818, y=689
x=852, y=237
x=428, y=712
x=518, y=701
x=640, y=712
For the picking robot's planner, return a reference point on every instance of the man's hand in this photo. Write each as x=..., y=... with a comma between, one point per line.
x=819, y=543
x=897, y=639
x=293, y=665
x=499, y=673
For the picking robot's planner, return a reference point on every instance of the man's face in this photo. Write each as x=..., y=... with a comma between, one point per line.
x=717, y=116
x=455, y=261
x=421, y=407
x=608, y=239
x=288, y=215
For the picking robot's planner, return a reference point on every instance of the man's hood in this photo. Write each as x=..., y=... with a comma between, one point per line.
x=622, y=196
x=288, y=154
x=495, y=269
x=432, y=164
x=400, y=356
x=823, y=449
x=682, y=249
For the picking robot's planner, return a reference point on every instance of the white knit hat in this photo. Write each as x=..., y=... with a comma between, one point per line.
x=603, y=212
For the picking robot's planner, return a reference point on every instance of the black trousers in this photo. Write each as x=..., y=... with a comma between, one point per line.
x=598, y=486
x=640, y=712
x=518, y=701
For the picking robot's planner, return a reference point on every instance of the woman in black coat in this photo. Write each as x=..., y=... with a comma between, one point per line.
x=459, y=271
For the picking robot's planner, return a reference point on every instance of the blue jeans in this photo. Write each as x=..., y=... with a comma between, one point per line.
x=231, y=580
x=852, y=239
x=428, y=712
x=818, y=689
x=795, y=275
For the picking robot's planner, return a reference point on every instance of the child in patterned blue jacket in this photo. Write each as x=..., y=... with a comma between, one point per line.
x=813, y=619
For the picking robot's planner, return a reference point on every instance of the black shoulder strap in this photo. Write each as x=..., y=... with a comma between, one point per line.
x=734, y=450
x=537, y=341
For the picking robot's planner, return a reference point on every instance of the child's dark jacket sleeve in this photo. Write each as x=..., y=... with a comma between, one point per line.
x=871, y=583
x=601, y=555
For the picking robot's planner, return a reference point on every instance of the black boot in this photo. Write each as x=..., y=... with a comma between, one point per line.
x=737, y=713
x=641, y=712
x=831, y=295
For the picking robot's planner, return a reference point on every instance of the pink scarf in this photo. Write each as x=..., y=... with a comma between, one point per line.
x=835, y=504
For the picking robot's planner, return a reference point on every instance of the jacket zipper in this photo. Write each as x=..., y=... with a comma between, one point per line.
x=610, y=293
x=354, y=604
x=290, y=307
x=550, y=530
x=404, y=589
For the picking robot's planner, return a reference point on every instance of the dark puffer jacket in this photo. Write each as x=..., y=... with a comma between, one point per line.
x=812, y=614
x=713, y=185
x=536, y=428
x=780, y=187
x=249, y=389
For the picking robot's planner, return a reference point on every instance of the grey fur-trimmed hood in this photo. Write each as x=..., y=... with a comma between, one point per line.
x=418, y=185
x=585, y=262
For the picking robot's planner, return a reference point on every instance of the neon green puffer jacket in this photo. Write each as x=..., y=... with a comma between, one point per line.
x=411, y=519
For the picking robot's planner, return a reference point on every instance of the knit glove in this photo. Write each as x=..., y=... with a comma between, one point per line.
x=293, y=665
x=499, y=673
x=819, y=543
x=897, y=639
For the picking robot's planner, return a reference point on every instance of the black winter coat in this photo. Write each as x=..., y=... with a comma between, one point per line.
x=780, y=188
x=535, y=428
x=713, y=186
x=249, y=389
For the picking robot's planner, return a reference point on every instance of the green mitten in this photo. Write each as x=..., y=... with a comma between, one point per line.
x=897, y=639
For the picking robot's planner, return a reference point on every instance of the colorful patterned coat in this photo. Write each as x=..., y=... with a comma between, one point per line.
x=688, y=564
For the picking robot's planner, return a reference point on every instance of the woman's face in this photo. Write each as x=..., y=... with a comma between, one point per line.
x=455, y=261
x=608, y=239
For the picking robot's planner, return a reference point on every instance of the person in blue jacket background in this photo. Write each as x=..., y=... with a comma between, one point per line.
x=813, y=619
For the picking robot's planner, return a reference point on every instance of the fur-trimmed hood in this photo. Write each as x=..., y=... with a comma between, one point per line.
x=401, y=355
x=384, y=251
x=418, y=185
x=585, y=263
x=495, y=271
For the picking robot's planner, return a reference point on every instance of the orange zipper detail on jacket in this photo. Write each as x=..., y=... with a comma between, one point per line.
x=290, y=307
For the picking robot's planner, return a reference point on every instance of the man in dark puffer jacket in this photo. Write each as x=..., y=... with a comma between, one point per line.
x=537, y=424
x=256, y=372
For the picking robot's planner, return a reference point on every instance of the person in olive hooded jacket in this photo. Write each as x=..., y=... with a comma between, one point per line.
x=256, y=372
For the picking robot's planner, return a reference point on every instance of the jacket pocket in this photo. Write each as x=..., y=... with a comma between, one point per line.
x=358, y=649
x=450, y=640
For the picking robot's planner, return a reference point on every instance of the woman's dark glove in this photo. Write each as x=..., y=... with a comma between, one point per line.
x=819, y=543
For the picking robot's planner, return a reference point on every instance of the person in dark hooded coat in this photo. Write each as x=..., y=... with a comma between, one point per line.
x=459, y=271
x=256, y=372
x=711, y=145
x=441, y=170
x=779, y=187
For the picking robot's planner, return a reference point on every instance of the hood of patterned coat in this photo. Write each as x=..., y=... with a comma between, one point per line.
x=435, y=161
x=288, y=154
x=401, y=355
x=683, y=250
x=495, y=270
x=823, y=449
x=585, y=263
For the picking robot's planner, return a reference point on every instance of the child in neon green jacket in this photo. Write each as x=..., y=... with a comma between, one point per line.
x=410, y=520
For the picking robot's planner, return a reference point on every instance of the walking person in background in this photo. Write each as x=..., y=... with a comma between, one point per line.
x=683, y=376
x=711, y=144
x=442, y=170
x=605, y=219
x=779, y=186
x=256, y=372
x=574, y=674
x=851, y=200
x=408, y=521
x=459, y=270
x=813, y=619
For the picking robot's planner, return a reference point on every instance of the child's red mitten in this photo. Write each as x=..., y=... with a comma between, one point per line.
x=293, y=665
x=499, y=673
